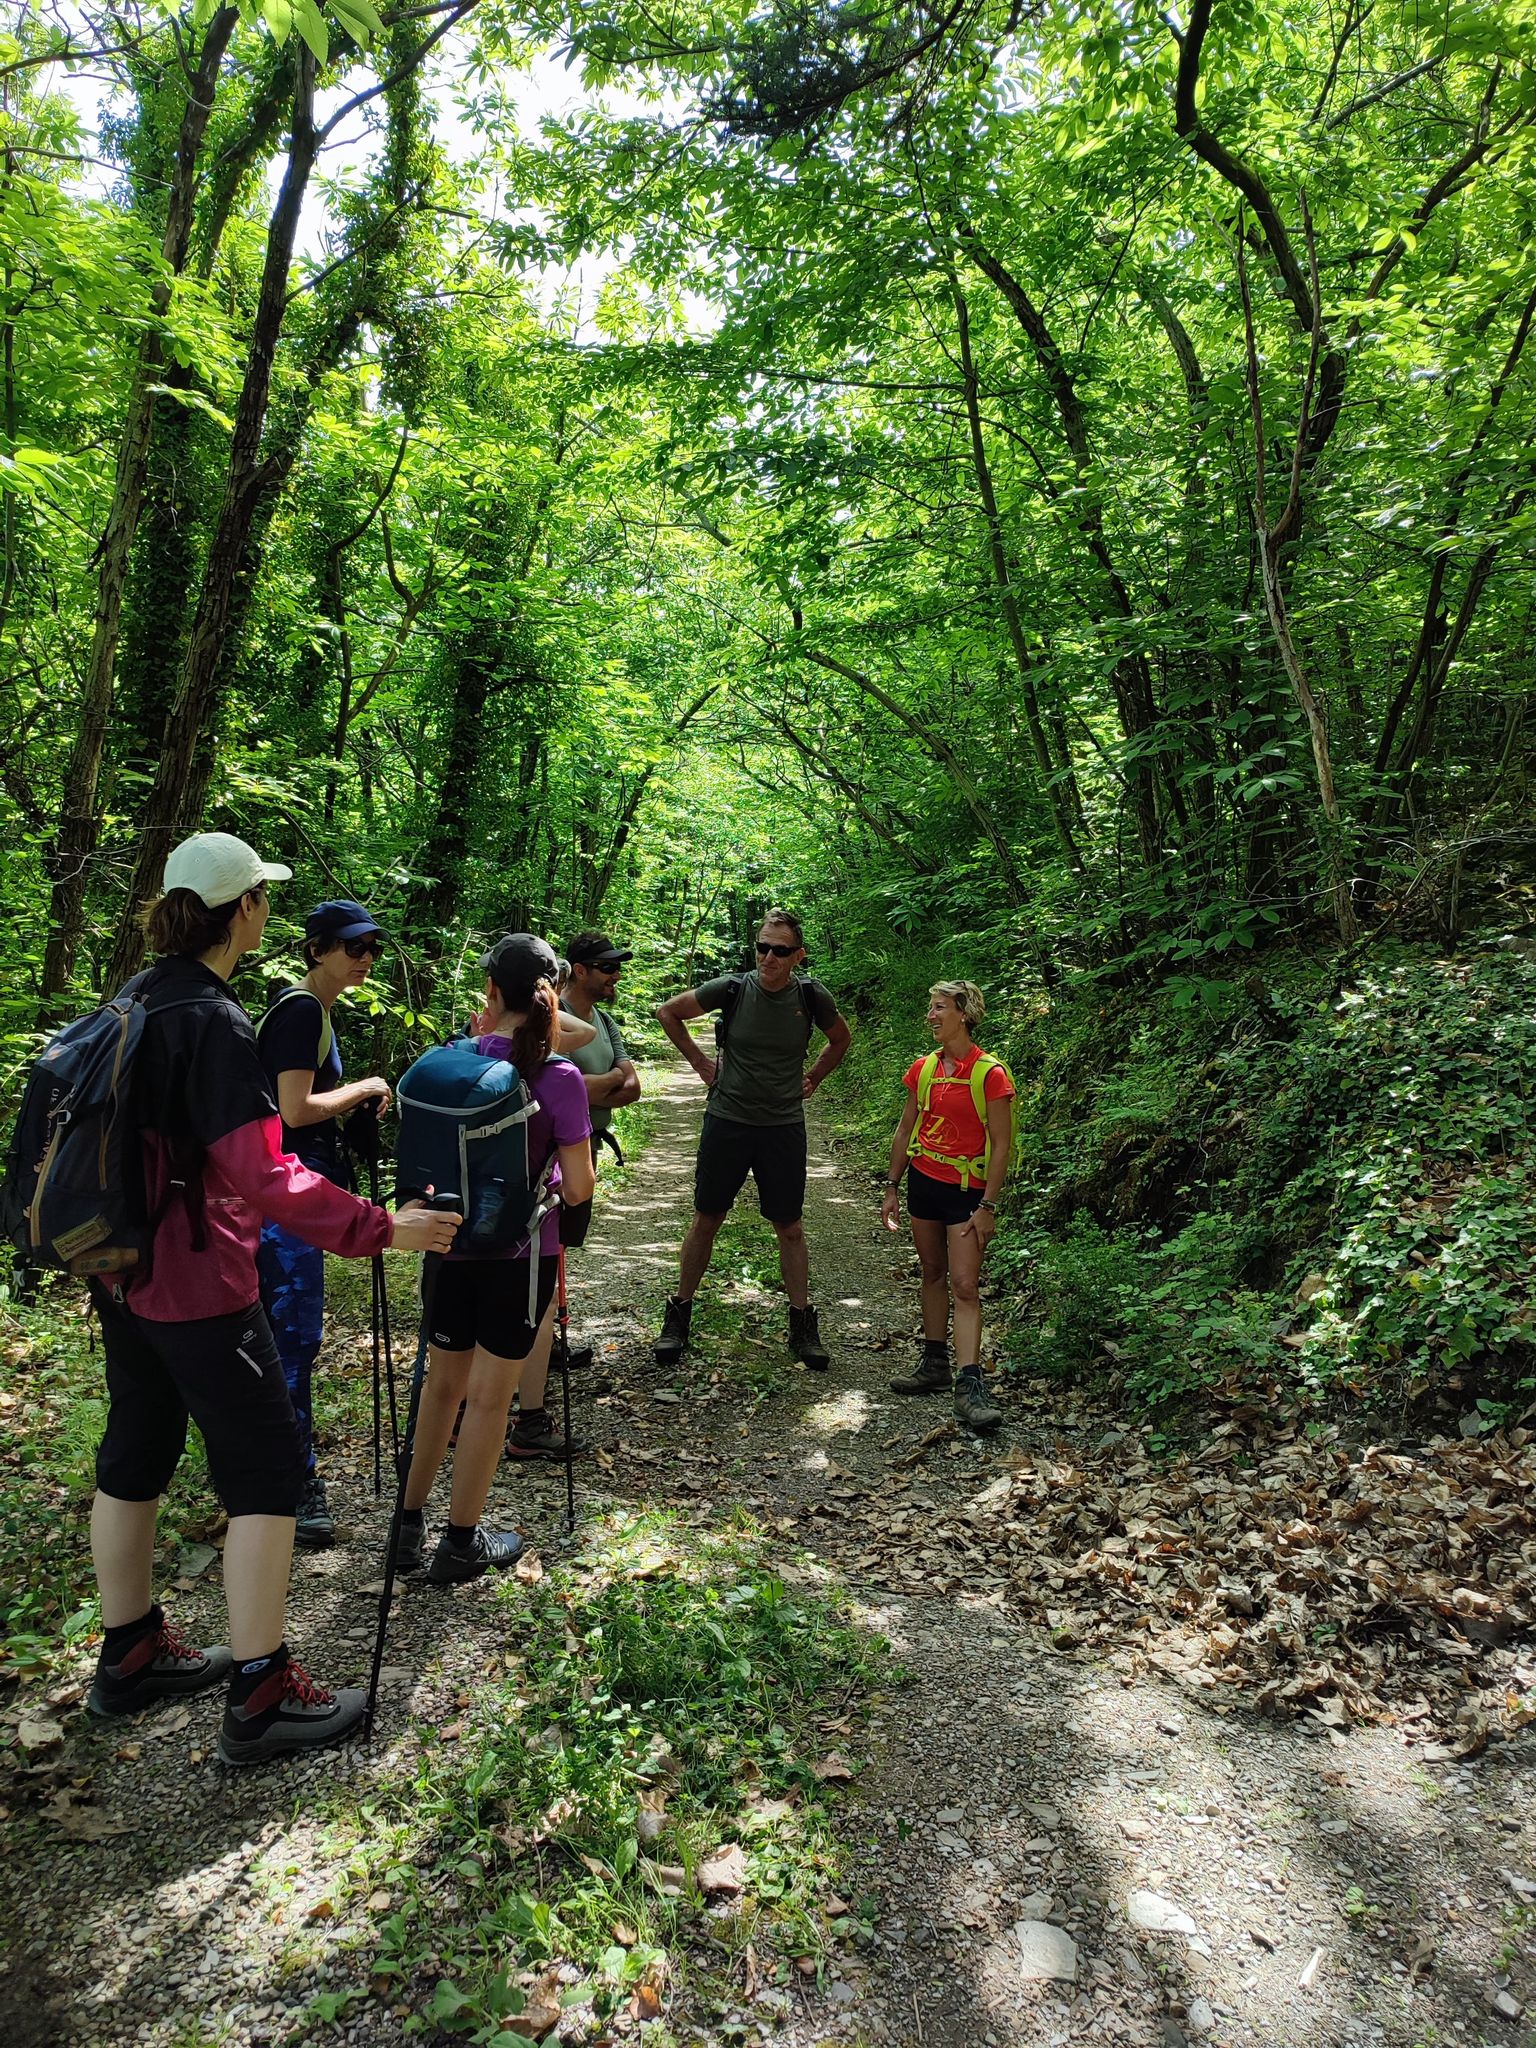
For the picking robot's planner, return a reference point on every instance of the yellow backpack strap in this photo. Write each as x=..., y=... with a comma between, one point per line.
x=926, y=1079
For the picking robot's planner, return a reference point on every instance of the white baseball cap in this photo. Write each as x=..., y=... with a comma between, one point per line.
x=220, y=868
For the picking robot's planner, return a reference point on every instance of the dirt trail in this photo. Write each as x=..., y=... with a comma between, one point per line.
x=1005, y=1785
x=1009, y=1783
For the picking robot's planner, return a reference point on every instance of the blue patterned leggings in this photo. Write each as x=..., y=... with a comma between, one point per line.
x=293, y=1294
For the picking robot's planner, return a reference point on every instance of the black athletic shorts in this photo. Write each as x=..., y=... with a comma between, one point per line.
x=774, y=1155
x=225, y=1373
x=485, y=1302
x=939, y=1201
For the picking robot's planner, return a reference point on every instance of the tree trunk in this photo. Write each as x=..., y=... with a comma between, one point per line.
x=79, y=820
x=1061, y=802
x=245, y=486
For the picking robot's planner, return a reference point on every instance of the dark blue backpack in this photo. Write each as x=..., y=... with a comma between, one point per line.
x=464, y=1131
x=73, y=1194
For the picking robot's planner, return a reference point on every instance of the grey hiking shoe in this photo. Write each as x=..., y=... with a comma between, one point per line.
x=805, y=1340
x=287, y=1711
x=315, y=1528
x=673, y=1341
x=490, y=1552
x=411, y=1555
x=974, y=1406
x=158, y=1665
x=929, y=1376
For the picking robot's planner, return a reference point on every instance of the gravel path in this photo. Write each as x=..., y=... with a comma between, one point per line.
x=1015, y=1805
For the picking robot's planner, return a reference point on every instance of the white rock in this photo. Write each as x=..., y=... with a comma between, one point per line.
x=1046, y=1951
x=1506, y=2006
x=1201, y=2016
x=1150, y=1910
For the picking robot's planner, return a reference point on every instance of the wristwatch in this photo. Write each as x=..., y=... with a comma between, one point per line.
x=893, y=1187
x=985, y=1204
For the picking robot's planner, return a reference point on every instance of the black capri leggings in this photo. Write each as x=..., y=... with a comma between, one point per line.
x=225, y=1373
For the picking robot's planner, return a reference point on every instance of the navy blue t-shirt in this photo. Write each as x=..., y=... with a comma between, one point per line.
x=289, y=1040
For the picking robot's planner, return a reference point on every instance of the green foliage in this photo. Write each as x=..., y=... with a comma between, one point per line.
x=662, y=1691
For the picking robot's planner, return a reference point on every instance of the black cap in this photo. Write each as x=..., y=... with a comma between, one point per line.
x=329, y=922
x=517, y=961
x=596, y=949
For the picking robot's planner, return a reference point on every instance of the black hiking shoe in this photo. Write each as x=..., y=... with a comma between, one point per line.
x=315, y=1527
x=158, y=1665
x=535, y=1434
x=929, y=1376
x=491, y=1552
x=411, y=1554
x=285, y=1712
x=579, y=1356
x=673, y=1341
x=805, y=1340
x=974, y=1406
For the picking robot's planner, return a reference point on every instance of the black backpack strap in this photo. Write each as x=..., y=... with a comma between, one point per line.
x=727, y=1010
x=186, y=1156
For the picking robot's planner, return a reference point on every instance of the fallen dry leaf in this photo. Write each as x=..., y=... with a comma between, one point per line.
x=725, y=1870
x=542, y=2010
x=833, y=1770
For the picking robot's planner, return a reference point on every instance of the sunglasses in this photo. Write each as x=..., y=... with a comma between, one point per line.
x=366, y=948
x=778, y=952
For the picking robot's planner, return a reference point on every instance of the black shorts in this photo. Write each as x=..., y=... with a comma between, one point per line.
x=939, y=1201
x=774, y=1155
x=225, y=1373
x=485, y=1302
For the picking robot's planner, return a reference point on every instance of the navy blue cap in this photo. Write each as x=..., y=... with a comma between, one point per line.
x=329, y=922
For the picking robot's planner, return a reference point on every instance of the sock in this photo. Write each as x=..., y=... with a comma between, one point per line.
x=413, y=1518
x=460, y=1538
x=935, y=1347
x=249, y=1674
x=124, y=1634
x=970, y=1372
x=531, y=1419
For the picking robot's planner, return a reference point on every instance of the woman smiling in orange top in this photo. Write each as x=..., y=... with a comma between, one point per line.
x=957, y=1132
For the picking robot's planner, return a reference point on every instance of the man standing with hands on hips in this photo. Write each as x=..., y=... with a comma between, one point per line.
x=755, y=1120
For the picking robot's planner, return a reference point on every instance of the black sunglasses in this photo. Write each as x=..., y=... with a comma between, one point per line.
x=369, y=947
x=778, y=952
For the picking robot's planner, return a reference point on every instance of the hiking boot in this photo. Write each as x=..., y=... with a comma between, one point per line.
x=411, y=1553
x=929, y=1376
x=974, y=1406
x=491, y=1552
x=315, y=1528
x=580, y=1358
x=157, y=1665
x=536, y=1435
x=805, y=1340
x=287, y=1711
x=673, y=1341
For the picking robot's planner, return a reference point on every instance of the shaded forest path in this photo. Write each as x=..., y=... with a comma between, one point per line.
x=1008, y=1781
x=1014, y=1799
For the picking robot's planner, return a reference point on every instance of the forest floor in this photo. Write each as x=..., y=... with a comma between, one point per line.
x=1044, y=1831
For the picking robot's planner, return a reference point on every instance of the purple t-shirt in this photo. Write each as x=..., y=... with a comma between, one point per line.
x=562, y=1118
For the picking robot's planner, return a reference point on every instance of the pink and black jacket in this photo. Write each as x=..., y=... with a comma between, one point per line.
x=214, y=1164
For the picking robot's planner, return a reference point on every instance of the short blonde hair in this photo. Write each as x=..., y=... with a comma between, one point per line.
x=966, y=997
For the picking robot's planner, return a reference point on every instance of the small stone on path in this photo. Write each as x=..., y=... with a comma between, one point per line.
x=1046, y=1951
x=1157, y=1915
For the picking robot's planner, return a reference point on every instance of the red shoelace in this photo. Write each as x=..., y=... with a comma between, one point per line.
x=170, y=1642
x=298, y=1685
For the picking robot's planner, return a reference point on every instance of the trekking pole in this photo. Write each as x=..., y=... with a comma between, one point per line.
x=431, y=1265
x=563, y=1320
x=381, y=1330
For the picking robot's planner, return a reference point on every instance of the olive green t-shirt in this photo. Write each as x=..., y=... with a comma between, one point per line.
x=762, y=1068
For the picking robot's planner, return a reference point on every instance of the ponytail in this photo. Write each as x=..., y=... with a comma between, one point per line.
x=534, y=1039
